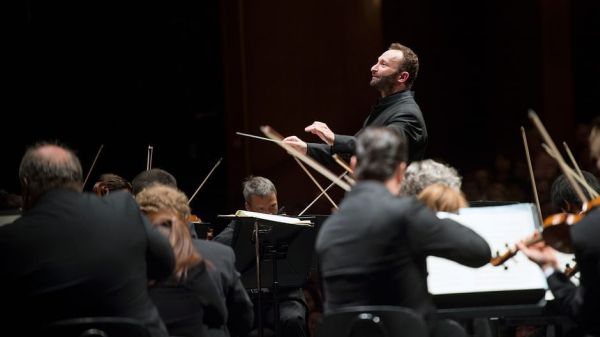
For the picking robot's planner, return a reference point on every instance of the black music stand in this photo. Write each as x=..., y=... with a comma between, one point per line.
x=273, y=253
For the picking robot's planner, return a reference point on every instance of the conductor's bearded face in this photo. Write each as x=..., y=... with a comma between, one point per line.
x=263, y=204
x=385, y=72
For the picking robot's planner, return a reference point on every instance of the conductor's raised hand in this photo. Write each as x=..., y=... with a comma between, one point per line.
x=296, y=143
x=322, y=130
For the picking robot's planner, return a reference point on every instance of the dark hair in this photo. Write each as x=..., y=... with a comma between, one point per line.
x=109, y=182
x=562, y=191
x=410, y=62
x=259, y=186
x=46, y=166
x=379, y=151
x=150, y=177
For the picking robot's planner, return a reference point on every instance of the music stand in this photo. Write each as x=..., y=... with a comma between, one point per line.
x=272, y=252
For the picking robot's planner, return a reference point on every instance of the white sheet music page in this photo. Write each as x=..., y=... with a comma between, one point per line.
x=498, y=225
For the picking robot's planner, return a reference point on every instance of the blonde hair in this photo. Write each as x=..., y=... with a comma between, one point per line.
x=443, y=198
x=167, y=200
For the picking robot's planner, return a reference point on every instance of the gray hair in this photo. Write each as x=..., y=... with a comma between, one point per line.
x=421, y=174
x=259, y=186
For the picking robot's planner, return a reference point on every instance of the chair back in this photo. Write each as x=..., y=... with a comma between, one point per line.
x=372, y=321
x=96, y=327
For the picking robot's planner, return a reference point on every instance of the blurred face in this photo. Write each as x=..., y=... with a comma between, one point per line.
x=385, y=72
x=266, y=204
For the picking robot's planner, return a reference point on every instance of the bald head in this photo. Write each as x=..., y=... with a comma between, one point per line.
x=47, y=166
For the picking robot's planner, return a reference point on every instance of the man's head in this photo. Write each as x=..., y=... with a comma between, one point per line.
x=381, y=155
x=395, y=70
x=47, y=166
x=167, y=209
x=564, y=197
x=595, y=141
x=109, y=182
x=260, y=195
x=152, y=176
x=421, y=174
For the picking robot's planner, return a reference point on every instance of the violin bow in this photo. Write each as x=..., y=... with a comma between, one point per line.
x=205, y=179
x=316, y=182
x=531, y=176
x=561, y=162
x=572, y=173
x=319, y=196
x=92, y=167
x=587, y=186
x=272, y=134
x=346, y=167
x=149, y=157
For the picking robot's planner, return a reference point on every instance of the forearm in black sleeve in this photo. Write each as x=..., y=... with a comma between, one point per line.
x=567, y=294
x=321, y=153
x=429, y=235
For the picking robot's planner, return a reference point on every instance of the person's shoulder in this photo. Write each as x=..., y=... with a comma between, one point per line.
x=216, y=247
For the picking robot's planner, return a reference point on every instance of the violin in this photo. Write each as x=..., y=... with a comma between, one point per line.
x=570, y=271
x=193, y=218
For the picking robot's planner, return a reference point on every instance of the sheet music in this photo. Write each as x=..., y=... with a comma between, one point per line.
x=268, y=217
x=498, y=225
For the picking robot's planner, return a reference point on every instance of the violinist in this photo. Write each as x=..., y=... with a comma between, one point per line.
x=157, y=176
x=580, y=302
x=564, y=198
x=109, y=182
x=372, y=251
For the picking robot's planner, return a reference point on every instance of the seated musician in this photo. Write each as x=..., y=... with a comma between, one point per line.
x=110, y=182
x=580, y=302
x=421, y=174
x=443, y=198
x=372, y=251
x=260, y=196
x=189, y=297
x=157, y=176
x=564, y=198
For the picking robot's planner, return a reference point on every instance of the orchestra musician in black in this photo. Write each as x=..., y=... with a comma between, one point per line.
x=372, y=250
x=73, y=254
x=579, y=302
x=260, y=195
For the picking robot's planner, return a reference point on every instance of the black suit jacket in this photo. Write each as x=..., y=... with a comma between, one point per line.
x=230, y=289
x=398, y=111
x=372, y=250
x=583, y=302
x=76, y=255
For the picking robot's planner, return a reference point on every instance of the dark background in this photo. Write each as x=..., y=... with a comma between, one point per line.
x=184, y=76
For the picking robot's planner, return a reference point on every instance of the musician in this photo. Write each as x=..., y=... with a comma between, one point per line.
x=564, y=198
x=110, y=182
x=260, y=196
x=157, y=176
x=393, y=76
x=372, y=250
x=443, y=198
x=580, y=302
x=152, y=176
x=420, y=174
x=72, y=254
